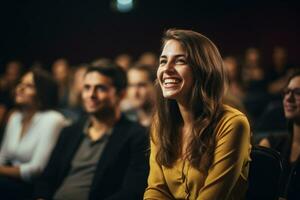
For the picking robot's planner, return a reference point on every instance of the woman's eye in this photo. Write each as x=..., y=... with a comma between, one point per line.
x=180, y=61
x=161, y=62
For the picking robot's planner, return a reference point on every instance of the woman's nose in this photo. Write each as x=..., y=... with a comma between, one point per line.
x=289, y=96
x=169, y=66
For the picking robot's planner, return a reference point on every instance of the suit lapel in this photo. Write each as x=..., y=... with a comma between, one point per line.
x=75, y=140
x=113, y=147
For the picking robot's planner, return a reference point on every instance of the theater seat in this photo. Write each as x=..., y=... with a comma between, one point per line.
x=265, y=174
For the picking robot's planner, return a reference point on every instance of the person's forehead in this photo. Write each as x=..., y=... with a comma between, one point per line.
x=173, y=47
x=97, y=78
x=295, y=82
x=135, y=75
x=28, y=77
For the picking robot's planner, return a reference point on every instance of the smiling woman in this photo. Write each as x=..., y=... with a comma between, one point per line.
x=174, y=74
x=199, y=146
x=288, y=144
x=30, y=134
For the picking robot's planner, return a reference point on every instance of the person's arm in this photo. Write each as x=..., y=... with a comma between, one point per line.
x=3, y=150
x=49, y=130
x=5, y=169
x=232, y=149
x=44, y=187
x=7, y=137
x=10, y=171
x=135, y=180
x=265, y=143
x=157, y=188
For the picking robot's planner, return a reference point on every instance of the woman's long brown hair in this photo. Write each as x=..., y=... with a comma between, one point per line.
x=205, y=100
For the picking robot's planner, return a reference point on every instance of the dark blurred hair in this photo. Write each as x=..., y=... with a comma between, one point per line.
x=114, y=72
x=294, y=74
x=145, y=68
x=46, y=89
x=206, y=103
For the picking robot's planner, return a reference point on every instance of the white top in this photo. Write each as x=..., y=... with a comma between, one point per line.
x=32, y=151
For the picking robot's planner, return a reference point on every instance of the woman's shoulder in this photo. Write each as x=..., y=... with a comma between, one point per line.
x=232, y=119
x=230, y=112
x=233, y=115
x=51, y=116
x=14, y=116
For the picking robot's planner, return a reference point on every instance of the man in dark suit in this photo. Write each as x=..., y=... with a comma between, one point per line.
x=103, y=156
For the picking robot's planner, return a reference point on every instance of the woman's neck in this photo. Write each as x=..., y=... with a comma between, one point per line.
x=186, y=114
x=28, y=113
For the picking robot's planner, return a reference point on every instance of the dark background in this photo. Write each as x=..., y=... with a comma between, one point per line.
x=43, y=30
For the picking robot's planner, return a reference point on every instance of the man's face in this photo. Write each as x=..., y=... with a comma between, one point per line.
x=99, y=95
x=140, y=90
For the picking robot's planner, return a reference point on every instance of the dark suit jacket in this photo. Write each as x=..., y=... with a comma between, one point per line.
x=121, y=171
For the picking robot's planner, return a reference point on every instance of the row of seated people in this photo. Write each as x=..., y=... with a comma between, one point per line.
x=33, y=131
x=254, y=80
x=101, y=156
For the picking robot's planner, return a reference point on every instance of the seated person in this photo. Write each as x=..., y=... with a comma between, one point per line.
x=30, y=134
x=141, y=93
x=103, y=155
x=289, y=144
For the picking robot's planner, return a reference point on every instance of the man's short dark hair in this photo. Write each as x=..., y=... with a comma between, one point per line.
x=114, y=72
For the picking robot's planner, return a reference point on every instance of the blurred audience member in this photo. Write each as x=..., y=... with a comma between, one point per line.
x=253, y=76
x=140, y=93
x=8, y=82
x=30, y=134
x=253, y=71
x=12, y=74
x=149, y=58
x=279, y=71
x=102, y=156
x=235, y=92
x=62, y=74
x=74, y=109
x=124, y=61
x=289, y=144
x=77, y=85
x=234, y=77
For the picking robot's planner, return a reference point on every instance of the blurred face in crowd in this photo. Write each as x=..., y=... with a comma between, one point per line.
x=60, y=70
x=26, y=91
x=141, y=89
x=124, y=61
x=148, y=58
x=291, y=100
x=279, y=55
x=252, y=55
x=79, y=79
x=99, y=95
x=13, y=71
x=231, y=67
x=174, y=74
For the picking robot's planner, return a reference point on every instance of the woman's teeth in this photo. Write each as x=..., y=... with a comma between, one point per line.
x=166, y=81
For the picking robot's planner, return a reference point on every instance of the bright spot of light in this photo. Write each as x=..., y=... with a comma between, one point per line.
x=124, y=5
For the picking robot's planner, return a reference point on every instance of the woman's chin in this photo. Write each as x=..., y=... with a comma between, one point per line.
x=169, y=95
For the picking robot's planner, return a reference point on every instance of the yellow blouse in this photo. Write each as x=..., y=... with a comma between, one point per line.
x=226, y=178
